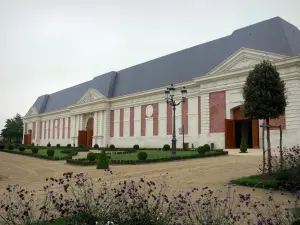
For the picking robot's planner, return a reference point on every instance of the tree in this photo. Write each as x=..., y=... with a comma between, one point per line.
x=264, y=97
x=13, y=129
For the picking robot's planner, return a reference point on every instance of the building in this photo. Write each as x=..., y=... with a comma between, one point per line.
x=128, y=106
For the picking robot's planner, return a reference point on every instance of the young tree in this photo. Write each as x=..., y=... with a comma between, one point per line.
x=13, y=129
x=264, y=97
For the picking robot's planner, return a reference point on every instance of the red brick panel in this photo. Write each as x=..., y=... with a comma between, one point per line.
x=169, y=119
x=277, y=122
x=184, y=116
x=217, y=111
x=199, y=114
x=143, y=120
x=112, y=121
x=58, y=128
x=63, y=128
x=41, y=129
x=155, y=119
x=121, y=122
x=131, y=121
x=33, y=130
x=45, y=124
x=49, y=129
x=69, y=127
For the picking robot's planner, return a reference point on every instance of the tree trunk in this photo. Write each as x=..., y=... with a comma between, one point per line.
x=264, y=150
x=269, y=147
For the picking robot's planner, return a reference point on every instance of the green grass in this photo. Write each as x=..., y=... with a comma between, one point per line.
x=152, y=154
x=43, y=152
x=257, y=181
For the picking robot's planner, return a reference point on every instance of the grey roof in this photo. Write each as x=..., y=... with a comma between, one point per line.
x=274, y=35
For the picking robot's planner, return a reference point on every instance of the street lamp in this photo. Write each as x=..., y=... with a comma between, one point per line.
x=169, y=96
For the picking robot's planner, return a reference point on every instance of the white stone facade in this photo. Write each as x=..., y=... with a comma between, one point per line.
x=228, y=77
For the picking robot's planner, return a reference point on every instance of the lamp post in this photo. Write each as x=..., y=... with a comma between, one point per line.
x=169, y=95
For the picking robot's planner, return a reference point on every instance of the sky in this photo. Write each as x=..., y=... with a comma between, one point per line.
x=49, y=45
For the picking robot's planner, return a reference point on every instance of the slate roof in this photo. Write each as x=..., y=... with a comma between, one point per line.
x=274, y=35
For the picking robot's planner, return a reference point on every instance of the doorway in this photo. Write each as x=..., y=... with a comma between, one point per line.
x=240, y=127
x=85, y=137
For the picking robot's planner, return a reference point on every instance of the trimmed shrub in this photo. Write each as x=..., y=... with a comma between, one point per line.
x=206, y=147
x=66, y=151
x=91, y=156
x=112, y=146
x=32, y=144
x=142, y=155
x=58, y=146
x=17, y=146
x=1, y=146
x=243, y=146
x=96, y=146
x=136, y=147
x=212, y=146
x=103, y=161
x=81, y=146
x=22, y=148
x=166, y=147
x=50, y=152
x=35, y=150
x=69, y=145
x=48, y=145
x=201, y=150
x=10, y=147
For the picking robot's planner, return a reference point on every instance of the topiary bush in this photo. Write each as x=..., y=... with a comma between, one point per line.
x=142, y=155
x=201, y=150
x=243, y=146
x=166, y=147
x=58, y=146
x=22, y=148
x=212, y=146
x=91, y=156
x=48, y=145
x=96, y=146
x=50, y=152
x=1, y=146
x=10, y=147
x=103, y=161
x=35, y=150
x=206, y=147
x=112, y=146
x=69, y=145
x=136, y=147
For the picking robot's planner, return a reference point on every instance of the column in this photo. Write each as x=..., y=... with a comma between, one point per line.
x=117, y=123
x=137, y=121
x=205, y=114
x=162, y=118
x=193, y=116
x=126, y=122
x=95, y=129
x=106, y=128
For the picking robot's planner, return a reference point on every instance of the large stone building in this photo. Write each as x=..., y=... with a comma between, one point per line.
x=128, y=106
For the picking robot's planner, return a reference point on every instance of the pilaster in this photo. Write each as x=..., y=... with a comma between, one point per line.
x=106, y=128
x=205, y=114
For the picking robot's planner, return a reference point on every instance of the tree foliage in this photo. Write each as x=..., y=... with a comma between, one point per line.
x=13, y=129
x=264, y=93
x=264, y=98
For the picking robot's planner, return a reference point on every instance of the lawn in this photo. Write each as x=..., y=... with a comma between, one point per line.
x=57, y=152
x=152, y=154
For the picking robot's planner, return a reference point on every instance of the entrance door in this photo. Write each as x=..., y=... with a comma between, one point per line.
x=90, y=132
x=229, y=133
x=82, y=137
x=255, y=134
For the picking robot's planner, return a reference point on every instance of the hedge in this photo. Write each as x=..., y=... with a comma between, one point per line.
x=69, y=156
x=84, y=162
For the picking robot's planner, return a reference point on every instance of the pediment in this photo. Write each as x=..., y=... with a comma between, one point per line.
x=90, y=96
x=243, y=59
x=32, y=112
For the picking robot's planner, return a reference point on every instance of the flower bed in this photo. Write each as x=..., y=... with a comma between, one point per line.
x=85, y=162
x=68, y=156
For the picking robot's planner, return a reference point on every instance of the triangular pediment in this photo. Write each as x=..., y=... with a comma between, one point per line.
x=243, y=59
x=32, y=112
x=90, y=96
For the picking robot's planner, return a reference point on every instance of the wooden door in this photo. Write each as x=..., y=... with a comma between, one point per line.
x=82, y=137
x=89, y=138
x=25, y=139
x=29, y=139
x=255, y=134
x=229, y=133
